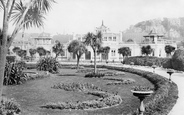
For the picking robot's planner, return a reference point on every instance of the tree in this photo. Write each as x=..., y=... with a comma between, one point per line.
x=146, y=50
x=169, y=49
x=95, y=41
x=32, y=53
x=78, y=48
x=104, y=51
x=16, y=49
x=22, y=53
x=125, y=51
x=41, y=51
x=24, y=14
x=58, y=49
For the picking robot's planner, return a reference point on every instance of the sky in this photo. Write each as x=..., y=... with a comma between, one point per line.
x=82, y=16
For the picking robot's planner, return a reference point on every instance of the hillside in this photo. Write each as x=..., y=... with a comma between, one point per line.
x=172, y=28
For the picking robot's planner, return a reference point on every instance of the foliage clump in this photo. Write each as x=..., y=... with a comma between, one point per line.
x=92, y=74
x=13, y=73
x=48, y=64
x=178, y=60
x=9, y=107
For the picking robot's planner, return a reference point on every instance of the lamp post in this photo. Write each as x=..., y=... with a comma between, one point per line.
x=170, y=72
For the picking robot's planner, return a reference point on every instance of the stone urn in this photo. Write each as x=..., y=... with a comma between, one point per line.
x=170, y=72
x=154, y=67
x=141, y=95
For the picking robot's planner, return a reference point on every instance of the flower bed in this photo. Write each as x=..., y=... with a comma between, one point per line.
x=91, y=75
x=9, y=107
x=76, y=86
x=105, y=99
x=114, y=73
x=120, y=81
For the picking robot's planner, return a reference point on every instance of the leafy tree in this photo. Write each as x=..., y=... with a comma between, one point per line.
x=169, y=49
x=95, y=41
x=24, y=14
x=41, y=51
x=146, y=50
x=32, y=53
x=58, y=49
x=125, y=51
x=16, y=49
x=78, y=48
x=22, y=53
x=104, y=51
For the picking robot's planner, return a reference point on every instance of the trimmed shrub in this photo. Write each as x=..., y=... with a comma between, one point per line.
x=167, y=64
x=13, y=74
x=90, y=75
x=9, y=107
x=145, y=60
x=10, y=58
x=48, y=64
x=178, y=60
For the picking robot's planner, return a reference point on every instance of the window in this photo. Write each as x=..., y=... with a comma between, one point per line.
x=113, y=53
x=114, y=38
x=105, y=38
x=110, y=38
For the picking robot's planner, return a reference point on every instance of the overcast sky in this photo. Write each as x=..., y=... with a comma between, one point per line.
x=82, y=16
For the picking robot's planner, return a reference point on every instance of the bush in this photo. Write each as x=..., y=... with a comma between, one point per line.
x=90, y=75
x=48, y=64
x=9, y=107
x=178, y=60
x=13, y=74
x=167, y=64
x=145, y=60
x=10, y=58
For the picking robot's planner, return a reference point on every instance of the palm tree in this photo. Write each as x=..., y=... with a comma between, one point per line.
x=169, y=49
x=58, y=49
x=41, y=51
x=77, y=48
x=32, y=53
x=95, y=41
x=146, y=50
x=24, y=14
x=125, y=51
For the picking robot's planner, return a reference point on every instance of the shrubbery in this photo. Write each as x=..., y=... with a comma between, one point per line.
x=10, y=58
x=48, y=64
x=145, y=60
x=13, y=74
x=92, y=74
x=178, y=60
x=9, y=107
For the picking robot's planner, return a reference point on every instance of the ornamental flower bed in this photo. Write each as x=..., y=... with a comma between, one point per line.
x=105, y=99
x=76, y=86
x=114, y=73
x=120, y=81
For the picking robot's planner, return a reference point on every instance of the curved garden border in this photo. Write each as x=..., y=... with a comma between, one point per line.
x=165, y=94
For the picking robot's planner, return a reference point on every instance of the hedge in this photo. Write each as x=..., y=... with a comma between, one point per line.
x=145, y=60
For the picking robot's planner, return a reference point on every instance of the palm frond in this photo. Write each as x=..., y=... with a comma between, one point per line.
x=34, y=16
x=43, y=5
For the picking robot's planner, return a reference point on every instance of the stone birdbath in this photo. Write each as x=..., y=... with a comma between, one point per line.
x=170, y=72
x=154, y=67
x=142, y=92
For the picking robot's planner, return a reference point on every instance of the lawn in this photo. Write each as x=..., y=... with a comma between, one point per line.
x=35, y=93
